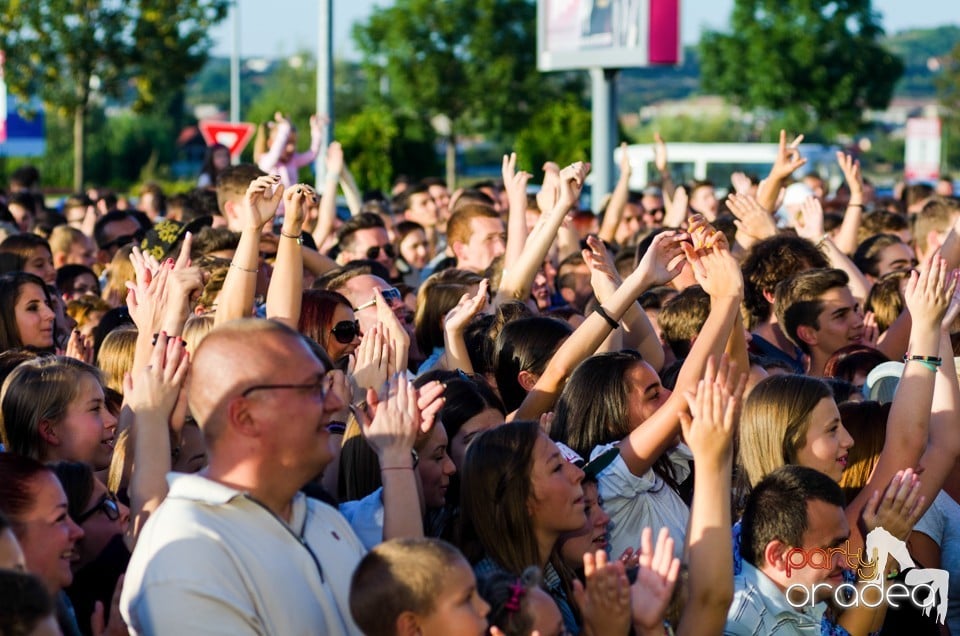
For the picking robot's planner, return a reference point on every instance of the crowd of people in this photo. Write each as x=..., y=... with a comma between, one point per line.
x=479, y=411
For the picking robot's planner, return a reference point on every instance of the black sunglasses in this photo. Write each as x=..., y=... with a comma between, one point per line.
x=108, y=504
x=373, y=252
x=124, y=240
x=345, y=331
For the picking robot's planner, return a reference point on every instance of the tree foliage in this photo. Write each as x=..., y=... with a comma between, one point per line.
x=814, y=60
x=948, y=93
x=68, y=52
x=471, y=60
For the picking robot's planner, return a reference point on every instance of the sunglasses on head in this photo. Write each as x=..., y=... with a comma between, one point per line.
x=391, y=295
x=346, y=330
x=373, y=252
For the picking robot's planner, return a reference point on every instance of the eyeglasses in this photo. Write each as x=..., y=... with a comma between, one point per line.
x=391, y=295
x=345, y=331
x=373, y=252
x=320, y=386
x=108, y=504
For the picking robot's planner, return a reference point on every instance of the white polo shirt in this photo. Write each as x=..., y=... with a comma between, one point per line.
x=211, y=560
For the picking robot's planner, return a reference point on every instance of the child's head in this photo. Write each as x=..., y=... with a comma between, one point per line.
x=420, y=586
x=519, y=606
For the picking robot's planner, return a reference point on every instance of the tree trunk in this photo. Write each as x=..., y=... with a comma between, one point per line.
x=79, y=115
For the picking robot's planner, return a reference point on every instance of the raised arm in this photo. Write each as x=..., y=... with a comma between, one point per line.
x=846, y=238
x=318, y=124
x=149, y=399
x=709, y=431
x=927, y=296
x=455, y=324
x=662, y=263
x=327, y=213
x=788, y=159
x=618, y=200
x=638, y=332
x=809, y=225
x=515, y=184
x=269, y=159
x=517, y=281
x=285, y=293
x=258, y=209
x=718, y=273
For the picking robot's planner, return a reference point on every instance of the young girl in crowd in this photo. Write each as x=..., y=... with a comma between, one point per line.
x=216, y=160
x=54, y=409
x=32, y=254
x=27, y=314
x=518, y=604
x=275, y=148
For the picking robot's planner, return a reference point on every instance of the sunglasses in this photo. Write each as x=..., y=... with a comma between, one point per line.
x=124, y=240
x=108, y=504
x=373, y=252
x=345, y=331
x=391, y=295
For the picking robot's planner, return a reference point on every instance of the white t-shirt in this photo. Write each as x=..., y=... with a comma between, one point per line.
x=941, y=523
x=634, y=503
x=211, y=560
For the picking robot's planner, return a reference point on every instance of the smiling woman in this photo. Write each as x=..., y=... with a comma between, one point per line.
x=26, y=312
x=54, y=409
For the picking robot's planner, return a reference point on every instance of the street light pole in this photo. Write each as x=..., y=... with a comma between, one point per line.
x=324, y=82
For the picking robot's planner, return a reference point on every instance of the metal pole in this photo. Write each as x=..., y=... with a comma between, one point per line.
x=603, y=132
x=235, y=65
x=324, y=82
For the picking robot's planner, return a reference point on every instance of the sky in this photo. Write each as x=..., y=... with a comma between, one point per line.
x=279, y=28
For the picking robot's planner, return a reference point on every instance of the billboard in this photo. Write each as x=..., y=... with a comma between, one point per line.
x=922, y=151
x=24, y=132
x=578, y=34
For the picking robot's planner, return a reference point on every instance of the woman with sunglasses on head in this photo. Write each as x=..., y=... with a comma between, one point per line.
x=327, y=318
x=104, y=550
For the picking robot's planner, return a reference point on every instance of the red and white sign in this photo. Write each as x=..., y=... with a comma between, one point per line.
x=922, y=153
x=235, y=136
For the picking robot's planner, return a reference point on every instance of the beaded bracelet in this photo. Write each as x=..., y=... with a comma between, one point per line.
x=930, y=362
x=244, y=269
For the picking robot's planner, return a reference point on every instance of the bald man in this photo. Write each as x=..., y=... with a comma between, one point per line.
x=238, y=549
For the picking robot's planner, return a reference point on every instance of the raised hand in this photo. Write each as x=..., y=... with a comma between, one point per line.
x=153, y=389
x=604, y=277
x=79, y=347
x=625, y=167
x=146, y=296
x=659, y=153
x=704, y=235
x=571, y=183
x=716, y=270
x=900, y=507
x=515, y=182
x=429, y=402
x=261, y=202
x=396, y=422
x=871, y=330
x=809, y=220
x=954, y=309
x=459, y=317
x=650, y=593
x=295, y=201
x=851, y=173
x=372, y=359
x=788, y=157
x=676, y=208
x=318, y=124
x=395, y=333
x=605, y=603
x=547, y=196
x=929, y=292
x=116, y=626
x=752, y=220
x=664, y=258
x=709, y=427
x=335, y=161
x=741, y=183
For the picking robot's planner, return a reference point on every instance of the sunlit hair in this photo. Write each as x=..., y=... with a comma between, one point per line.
x=438, y=295
x=867, y=424
x=115, y=357
x=775, y=420
x=38, y=391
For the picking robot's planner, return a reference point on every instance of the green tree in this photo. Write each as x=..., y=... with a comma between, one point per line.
x=69, y=52
x=560, y=132
x=948, y=94
x=813, y=60
x=471, y=61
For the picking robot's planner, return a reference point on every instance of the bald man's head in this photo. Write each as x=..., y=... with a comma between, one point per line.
x=233, y=357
